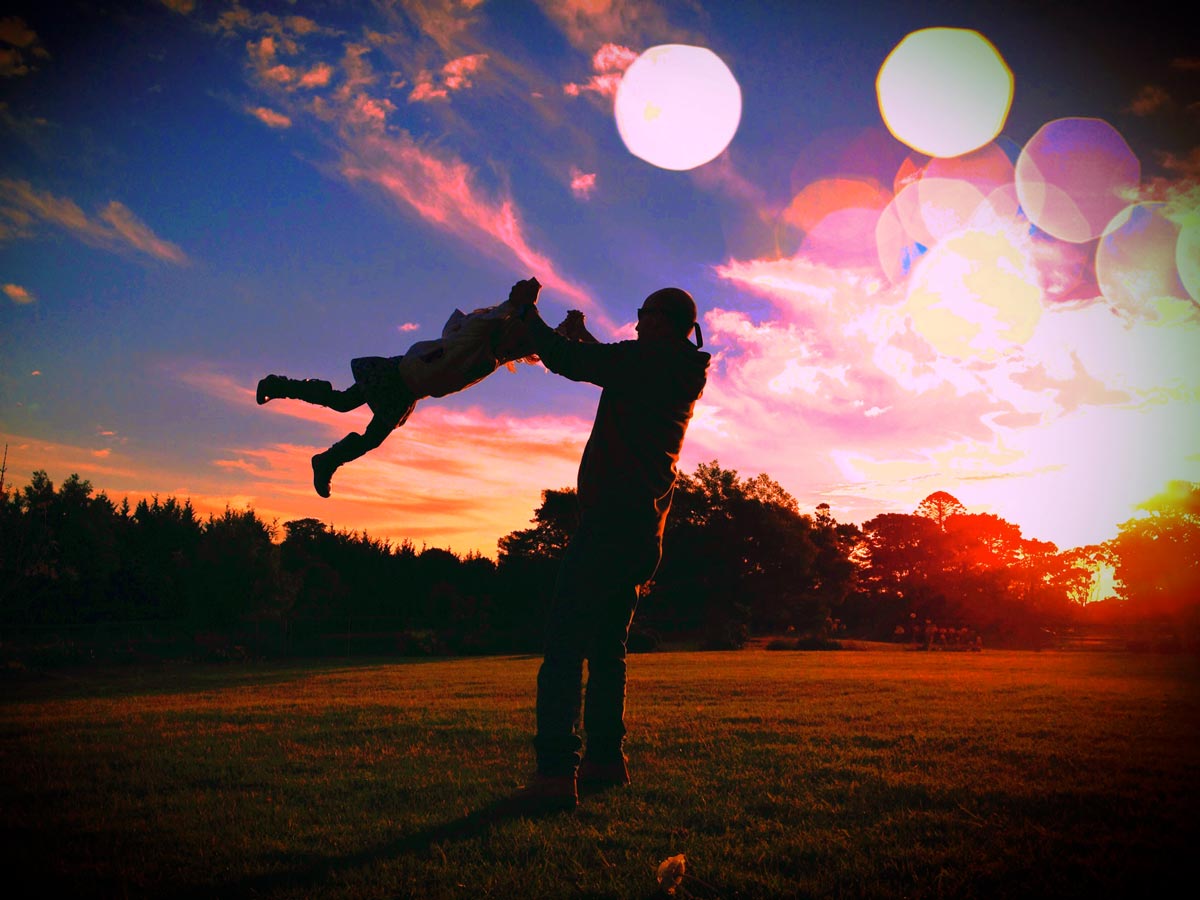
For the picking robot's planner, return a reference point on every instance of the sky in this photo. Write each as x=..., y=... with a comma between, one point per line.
x=194, y=194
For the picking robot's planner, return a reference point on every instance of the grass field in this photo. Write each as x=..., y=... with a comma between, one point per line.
x=838, y=774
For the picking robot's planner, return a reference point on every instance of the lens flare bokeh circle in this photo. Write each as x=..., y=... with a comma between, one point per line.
x=1136, y=260
x=678, y=106
x=1074, y=175
x=1187, y=256
x=944, y=91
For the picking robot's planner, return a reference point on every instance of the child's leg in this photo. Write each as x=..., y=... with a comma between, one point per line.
x=344, y=401
x=352, y=446
x=311, y=390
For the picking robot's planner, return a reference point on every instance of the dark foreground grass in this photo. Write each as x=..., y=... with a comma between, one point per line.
x=841, y=774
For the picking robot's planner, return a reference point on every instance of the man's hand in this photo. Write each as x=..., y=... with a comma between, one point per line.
x=573, y=327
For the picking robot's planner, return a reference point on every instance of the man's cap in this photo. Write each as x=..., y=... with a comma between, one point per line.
x=677, y=305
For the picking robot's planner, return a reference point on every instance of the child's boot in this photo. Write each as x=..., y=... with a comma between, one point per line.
x=278, y=387
x=325, y=464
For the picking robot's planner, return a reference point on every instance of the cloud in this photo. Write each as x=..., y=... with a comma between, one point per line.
x=183, y=7
x=318, y=76
x=1149, y=100
x=445, y=23
x=139, y=236
x=441, y=189
x=1187, y=166
x=425, y=91
x=19, y=45
x=19, y=295
x=609, y=64
x=591, y=23
x=456, y=75
x=351, y=108
x=408, y=326
x=468, y=477
x=269, y=117
x=582, y=183
x=115, y=227
x=985, y=371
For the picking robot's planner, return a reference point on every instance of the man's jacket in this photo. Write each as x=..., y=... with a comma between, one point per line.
x=627, y=475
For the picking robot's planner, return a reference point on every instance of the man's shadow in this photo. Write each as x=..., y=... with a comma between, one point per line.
x=310, y=872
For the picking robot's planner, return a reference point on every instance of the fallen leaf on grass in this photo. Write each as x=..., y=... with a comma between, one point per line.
x=670, y=873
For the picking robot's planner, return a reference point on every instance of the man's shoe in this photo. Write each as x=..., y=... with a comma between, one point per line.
x=547, y=794
x=599, y=776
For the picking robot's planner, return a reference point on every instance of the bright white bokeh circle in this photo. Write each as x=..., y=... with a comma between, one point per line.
x=678, y=106
x=944, y=91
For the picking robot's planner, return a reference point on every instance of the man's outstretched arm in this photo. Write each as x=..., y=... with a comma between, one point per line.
x=600, y=364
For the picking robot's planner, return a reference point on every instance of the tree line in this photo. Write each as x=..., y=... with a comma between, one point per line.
x=84, y=577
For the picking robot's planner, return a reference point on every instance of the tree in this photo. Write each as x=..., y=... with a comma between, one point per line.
x=554, y=521
x=238, y=576
x=940, y=506
x=738, y=555
x=528, y=567
x=958, y=569
x=1157, y=558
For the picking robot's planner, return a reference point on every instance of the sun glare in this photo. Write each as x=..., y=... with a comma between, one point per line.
x=975, y=295
x=678, y=106
x=944, y=91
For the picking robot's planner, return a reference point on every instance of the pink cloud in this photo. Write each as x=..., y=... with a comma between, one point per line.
x=851, y=390
x=455, y=75
x=458, y=72
x=318, y=76
x=270, y=118
x=139, y=236
x=441, y=189
x=424, y=91
x=369, y=112
x=408, y=326
x=608, y=64
x=470, y=477
x=591, y=23
x=114, y=228
x=458, y=478
x=279, y=73
x=19, y=295
x=582, y=183
x=432, y=182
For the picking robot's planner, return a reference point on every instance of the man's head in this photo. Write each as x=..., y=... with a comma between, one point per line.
x=668, y=313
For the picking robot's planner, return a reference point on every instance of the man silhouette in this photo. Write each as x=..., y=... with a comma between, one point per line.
x=626, y=482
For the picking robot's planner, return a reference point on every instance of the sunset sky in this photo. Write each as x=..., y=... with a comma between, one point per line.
x=195, y=194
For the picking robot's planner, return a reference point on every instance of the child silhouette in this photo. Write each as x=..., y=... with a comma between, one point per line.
x=472, y=346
